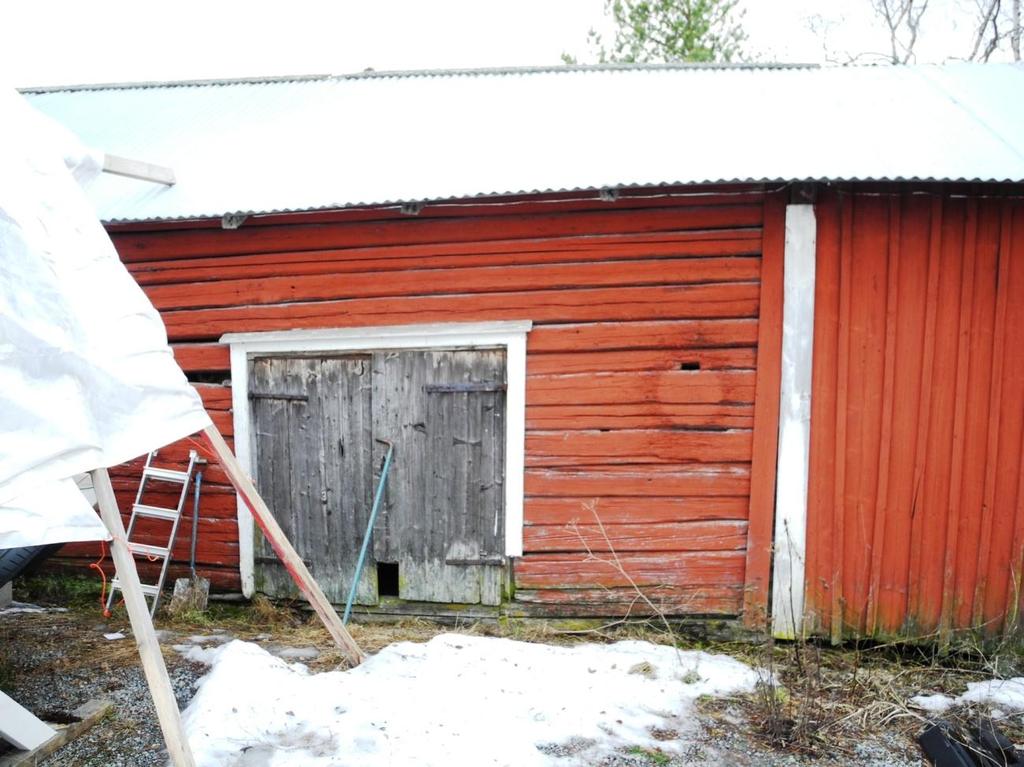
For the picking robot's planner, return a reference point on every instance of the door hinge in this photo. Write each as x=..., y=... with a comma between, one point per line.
x=482, y=560
x=461, y=388
x=276, y=561
x=271, y=395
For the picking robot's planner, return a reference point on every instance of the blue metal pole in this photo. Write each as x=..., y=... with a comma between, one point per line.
x=195, y=522
x=369, y=531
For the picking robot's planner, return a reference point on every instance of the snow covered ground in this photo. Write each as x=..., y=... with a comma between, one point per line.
x=1005, y=694
x=14, y=608
x=455, y=700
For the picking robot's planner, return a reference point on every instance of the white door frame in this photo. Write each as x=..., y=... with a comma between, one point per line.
x=455, y=335
x=793, y=467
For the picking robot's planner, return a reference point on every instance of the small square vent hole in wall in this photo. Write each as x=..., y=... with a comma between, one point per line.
x=689, y=365
x=387, y=579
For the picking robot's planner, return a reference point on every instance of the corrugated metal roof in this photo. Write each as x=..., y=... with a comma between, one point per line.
x=291, y=144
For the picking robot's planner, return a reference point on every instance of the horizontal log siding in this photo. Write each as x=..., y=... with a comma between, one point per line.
x=217, y=533
x=640, y=366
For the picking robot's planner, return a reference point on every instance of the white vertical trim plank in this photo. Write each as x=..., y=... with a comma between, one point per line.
x=243, y=452
x=515, y=442
x=794, y=422
x=456, y=335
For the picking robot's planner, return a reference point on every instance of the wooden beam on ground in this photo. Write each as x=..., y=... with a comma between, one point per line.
x=143, y=171
x=282, y=547
x=20, y=727
x=142, y=625
x=85, y=716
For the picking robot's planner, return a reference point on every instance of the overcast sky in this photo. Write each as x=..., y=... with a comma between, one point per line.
x=47, y=42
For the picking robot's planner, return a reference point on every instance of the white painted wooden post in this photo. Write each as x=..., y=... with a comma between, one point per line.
x=142, y=625
x=243, y=448
x=794, y=423
x=515, y=442
x=289, y=557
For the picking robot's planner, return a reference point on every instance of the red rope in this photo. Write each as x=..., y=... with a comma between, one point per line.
x=98, y=567
x=203, y=449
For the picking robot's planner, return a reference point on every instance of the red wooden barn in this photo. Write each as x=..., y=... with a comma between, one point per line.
x=742, y=342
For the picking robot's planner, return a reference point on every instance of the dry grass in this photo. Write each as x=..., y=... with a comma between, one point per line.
x=818, y=700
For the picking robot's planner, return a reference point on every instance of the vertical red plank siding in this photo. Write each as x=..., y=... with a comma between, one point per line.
x=959, y=425
x=916, y=514
x=879, y=522
x=822, y=538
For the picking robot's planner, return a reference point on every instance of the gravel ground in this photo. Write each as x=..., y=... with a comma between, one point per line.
x=55, y=661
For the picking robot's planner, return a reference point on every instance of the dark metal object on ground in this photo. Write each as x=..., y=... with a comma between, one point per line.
x=946, y=746
x=994, y=743
x=942, y=748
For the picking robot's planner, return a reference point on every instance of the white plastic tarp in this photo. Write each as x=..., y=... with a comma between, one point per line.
x=86, y=376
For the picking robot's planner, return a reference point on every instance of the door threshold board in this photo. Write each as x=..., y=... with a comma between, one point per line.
x=439, y=611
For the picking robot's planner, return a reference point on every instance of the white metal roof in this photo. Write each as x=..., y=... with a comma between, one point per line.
x=260, y=146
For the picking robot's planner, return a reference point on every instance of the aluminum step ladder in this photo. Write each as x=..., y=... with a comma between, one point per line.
x=173, y=516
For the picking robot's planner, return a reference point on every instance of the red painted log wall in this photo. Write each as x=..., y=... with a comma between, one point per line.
x=641, y=365
x=916, y=502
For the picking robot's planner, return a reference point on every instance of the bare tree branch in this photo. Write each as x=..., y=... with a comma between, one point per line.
x=988, y=14
x=1015, y=29
x=902, y=18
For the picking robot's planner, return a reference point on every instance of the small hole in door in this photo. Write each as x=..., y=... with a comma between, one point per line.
x=387, y=579
x=689, y=365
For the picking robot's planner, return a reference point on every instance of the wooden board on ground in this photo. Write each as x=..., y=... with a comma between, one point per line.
x=84, y=717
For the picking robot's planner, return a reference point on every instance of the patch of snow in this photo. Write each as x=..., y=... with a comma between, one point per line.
x=208, y=638
x=936, y=703
x=1004, y=694
x=15, y=608
x=198, y=653
x=455, y=700
x=295, y=653
x=114, y=635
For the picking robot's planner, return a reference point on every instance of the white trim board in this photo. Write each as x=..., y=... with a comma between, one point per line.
x=794, y=422
x=20, y=727
x=456, y=335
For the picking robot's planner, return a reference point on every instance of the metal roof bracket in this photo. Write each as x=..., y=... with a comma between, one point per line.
x=232, y=220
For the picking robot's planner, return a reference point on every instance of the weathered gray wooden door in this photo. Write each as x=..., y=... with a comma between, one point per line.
x=445, y=515
x=312, y=450
x=316, y=422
